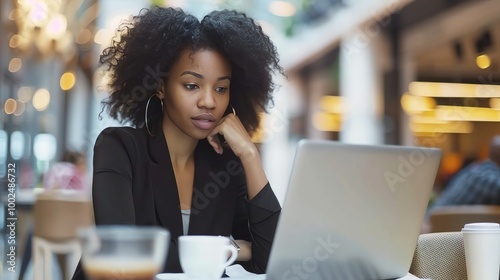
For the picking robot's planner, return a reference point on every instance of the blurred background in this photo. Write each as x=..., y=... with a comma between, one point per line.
x=423, y=73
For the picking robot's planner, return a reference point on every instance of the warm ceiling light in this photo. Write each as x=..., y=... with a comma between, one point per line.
x=495, y=103
x=67, y=81
x=483, y=61
x=332, y=104
x=57, y=26
x=15, y=41
x=39, y=13
x=41, y=99
x=15, y=64
x=451, y=127
x=282, y=8
x=20, y=106
x=426, y=119
x=103, y=37
x=84, y=36
x=415, y=104
x=454, y=90
x=24, y=94
x=10, y=106
x=327, y=122
x=463, y=113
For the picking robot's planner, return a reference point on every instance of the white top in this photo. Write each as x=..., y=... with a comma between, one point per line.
x=185, y=220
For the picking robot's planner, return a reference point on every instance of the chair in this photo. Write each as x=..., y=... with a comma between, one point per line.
x=57, y=216
x=440, y=256
x=453, y=218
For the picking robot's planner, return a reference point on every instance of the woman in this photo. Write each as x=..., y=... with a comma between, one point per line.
x=192, y=89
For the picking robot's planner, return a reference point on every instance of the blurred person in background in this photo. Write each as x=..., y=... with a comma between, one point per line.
x=193, y=91
x=476, y=184
x=68, y=174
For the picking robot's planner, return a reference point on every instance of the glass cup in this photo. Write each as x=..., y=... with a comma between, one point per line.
x=123, y=252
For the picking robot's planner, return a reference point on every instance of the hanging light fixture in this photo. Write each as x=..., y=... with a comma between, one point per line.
x=483, y=43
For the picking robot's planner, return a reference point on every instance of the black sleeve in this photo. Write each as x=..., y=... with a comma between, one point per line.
x=112, y=179
x=256, y=221
x=111, y=183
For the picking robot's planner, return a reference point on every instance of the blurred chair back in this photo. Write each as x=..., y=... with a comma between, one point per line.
x=59, y=213
x=57, y=216
x=440, y=256
x=453, y=218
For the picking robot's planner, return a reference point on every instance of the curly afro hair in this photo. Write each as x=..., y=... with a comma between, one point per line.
x=147, y=45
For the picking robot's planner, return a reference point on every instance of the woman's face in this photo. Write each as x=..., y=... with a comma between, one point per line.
x=196, y=92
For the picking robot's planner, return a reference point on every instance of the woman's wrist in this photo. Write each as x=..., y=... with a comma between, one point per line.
x=249, y=154
x=245, y=252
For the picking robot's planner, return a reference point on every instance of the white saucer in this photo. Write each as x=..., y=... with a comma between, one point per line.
x=171, y=276
x=234, y=271
x=182, y=276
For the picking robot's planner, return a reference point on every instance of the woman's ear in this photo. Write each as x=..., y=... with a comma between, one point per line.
x=161, y=89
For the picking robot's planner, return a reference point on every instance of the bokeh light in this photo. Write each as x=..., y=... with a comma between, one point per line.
x=41, y=99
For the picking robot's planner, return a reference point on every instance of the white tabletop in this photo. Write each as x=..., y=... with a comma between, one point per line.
x=235, y=271
x=238, y=272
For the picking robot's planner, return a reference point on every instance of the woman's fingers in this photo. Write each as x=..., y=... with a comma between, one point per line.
x=235, y=135
x=213, y=140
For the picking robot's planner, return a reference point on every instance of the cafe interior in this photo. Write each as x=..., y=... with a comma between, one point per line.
x=378, y=72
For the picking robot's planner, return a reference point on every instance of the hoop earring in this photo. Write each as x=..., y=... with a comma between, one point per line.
x=146, y=112
x=232, y=108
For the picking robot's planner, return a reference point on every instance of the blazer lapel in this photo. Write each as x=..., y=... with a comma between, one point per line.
x=165, y=192
x=202, y=207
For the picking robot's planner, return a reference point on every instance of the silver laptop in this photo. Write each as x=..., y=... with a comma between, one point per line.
x=352, y=211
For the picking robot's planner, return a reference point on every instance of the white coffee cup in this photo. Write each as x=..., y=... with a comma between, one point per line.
x=482, y=250
x=205, y=257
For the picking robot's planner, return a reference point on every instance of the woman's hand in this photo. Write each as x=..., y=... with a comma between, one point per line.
x=236, y=137
x=239, y=141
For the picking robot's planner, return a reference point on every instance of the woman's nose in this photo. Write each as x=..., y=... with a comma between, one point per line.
x=207, y=99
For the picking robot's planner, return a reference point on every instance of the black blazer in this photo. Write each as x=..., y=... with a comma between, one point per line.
x=134, y=183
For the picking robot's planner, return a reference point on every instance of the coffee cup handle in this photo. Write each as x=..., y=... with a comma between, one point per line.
x=234, y=255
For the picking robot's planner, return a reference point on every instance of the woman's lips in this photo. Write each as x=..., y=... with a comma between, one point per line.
x=204, y=121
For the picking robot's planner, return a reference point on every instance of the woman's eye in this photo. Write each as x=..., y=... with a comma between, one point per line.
x=221, y=89
x=190, y=86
